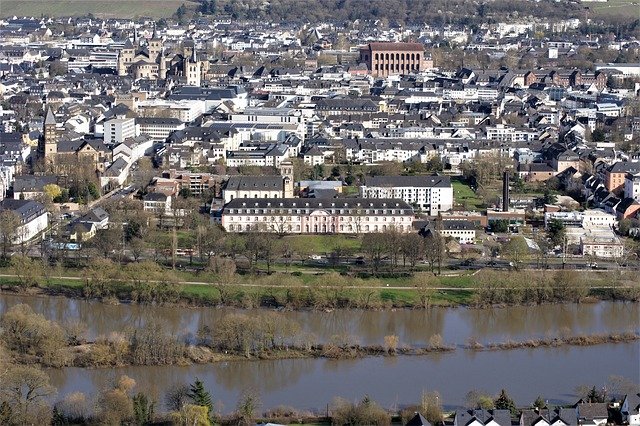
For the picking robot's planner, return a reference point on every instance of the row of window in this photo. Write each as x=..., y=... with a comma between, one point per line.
x=397, y=56
x=319, y=228
x=396, y=67
x=314, y=219
x=357, y=212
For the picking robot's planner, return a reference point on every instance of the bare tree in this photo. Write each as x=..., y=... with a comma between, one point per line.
x=9, y=224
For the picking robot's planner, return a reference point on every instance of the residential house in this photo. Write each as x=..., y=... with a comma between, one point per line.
x=33, y=218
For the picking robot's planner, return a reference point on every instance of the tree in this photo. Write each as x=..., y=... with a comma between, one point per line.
x=52, y=191
x=9, y=224
x=431, y=407
x=247, y=406
x=25, y=390
x=504, y=402
x=191, y=415
x=434, y=250
x=412, y=248
x=476, y=399
x=556, y=232
x=142, y=409
x=374, y=245
x=516, y=250
x=199, y=395
x=539, y=403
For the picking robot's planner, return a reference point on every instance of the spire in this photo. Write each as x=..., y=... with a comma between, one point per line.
x=154, y=36
x=194, y=57
x=50, y=118
x=135, y=34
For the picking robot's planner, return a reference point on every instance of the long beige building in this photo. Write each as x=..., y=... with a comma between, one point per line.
x=316, y=216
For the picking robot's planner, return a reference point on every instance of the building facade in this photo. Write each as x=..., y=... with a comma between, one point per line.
x=430, y=194
x=384, y=59
x=316, y=216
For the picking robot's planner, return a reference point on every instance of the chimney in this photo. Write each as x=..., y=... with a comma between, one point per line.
x=505, y=191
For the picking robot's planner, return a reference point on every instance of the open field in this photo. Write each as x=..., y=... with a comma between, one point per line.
x=101, y=9
x=615, y=9
x=463, y=194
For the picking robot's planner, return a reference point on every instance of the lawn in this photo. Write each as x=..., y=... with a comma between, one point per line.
x=321, y=244
x=464, y=195
x=615, y=9
x=100, y=8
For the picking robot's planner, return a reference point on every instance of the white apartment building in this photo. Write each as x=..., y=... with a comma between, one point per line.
x=119, y=129
x=632, y=186
x=431, y=194
x=159, y=129
x=500, y=132
x=316, y=216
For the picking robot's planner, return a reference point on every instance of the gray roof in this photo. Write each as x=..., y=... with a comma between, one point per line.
x=26, y=209
x=405, y=181
x=247, y=183
x=29, y=183
x=50, y=118
x=97, y=214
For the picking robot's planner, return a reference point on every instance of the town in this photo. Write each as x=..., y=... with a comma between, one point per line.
x=342, y=157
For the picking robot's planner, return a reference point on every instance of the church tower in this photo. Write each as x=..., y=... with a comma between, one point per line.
x=155, y=45
x=286, y=170
x=192, y=68
x=49, y=146
x=162, y=73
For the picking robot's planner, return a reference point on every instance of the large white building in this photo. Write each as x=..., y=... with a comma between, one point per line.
x=316, y=216
x=159, y=128
x=260, y=186
x=33, y=218
x=431, y=194
x=119, y=129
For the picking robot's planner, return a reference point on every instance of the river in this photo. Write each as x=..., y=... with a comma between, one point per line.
x=312, y=383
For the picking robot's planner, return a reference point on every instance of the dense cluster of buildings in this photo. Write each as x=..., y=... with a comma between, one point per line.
x=208, y=101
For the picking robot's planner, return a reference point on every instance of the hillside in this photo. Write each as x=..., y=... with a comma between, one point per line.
x=99, y=8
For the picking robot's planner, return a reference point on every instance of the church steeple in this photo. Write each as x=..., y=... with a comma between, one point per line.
x=49, y=147
x=154, y=36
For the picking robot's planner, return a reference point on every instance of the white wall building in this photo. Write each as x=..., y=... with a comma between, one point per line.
x=431, y=194
x=119, y=129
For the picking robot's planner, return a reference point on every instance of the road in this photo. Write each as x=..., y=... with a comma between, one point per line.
x=365, y=287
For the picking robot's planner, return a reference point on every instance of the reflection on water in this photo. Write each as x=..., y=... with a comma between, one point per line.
x=312, y=383
x=413, y=327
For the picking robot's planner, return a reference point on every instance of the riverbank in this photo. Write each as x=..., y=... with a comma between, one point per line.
x=335, y=291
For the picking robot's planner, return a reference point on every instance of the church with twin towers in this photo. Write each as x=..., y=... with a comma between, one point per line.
x=143, y=58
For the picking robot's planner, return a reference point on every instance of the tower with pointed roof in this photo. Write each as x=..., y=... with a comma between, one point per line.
x=155, y=44
x=162, y=73
x=192, y=68
x=48, y=148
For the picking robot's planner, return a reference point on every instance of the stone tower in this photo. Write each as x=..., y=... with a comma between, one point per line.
x=192, y=68
x=155, y=45
x=49, y=146
x=162, y=70
x=286, y=170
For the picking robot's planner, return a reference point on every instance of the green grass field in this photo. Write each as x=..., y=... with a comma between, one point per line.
x=99, y=8
x=615, y=9
x=464, y=195
x=321, y=243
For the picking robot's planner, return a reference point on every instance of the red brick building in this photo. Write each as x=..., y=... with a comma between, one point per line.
x=386, y=58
